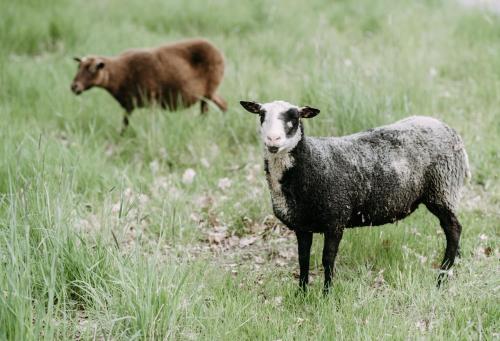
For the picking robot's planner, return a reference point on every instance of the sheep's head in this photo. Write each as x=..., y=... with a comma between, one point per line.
x=90, y=73
x=280, y=123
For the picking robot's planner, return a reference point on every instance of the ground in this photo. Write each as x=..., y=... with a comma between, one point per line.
x=168, y=233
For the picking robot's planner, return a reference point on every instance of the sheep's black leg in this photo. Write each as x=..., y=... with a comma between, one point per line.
x=452, y=230
x=330, y=248
x=126, y=117
x=304, y=241
x=203, y=106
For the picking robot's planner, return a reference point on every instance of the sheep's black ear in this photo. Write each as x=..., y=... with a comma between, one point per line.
x=77, y=59
x=308, y=112
x=253, y=107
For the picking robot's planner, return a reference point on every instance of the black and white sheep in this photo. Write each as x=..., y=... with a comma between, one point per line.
x=374, y=177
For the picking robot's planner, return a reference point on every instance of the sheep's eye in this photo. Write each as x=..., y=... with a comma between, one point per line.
x=290, y=124
x=262, y=116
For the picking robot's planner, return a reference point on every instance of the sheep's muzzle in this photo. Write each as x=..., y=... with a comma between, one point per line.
x=76, y=88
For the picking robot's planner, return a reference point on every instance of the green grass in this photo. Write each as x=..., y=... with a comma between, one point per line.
x=101, y=238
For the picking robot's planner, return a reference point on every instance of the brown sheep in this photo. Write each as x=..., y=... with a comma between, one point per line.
x=172, y=76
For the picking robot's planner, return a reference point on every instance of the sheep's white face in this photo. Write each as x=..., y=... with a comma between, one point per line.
x=280, y=123
x=279, y=127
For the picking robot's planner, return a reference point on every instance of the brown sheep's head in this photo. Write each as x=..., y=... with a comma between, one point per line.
x=90, y=73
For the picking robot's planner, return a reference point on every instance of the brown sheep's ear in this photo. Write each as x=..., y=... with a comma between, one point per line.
x=308, y=112
x=253, y=107
x=77, y=59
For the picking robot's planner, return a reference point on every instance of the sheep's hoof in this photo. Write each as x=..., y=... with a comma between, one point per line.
x=442, y=278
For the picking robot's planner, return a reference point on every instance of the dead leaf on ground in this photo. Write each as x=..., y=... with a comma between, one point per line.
x=483, y=252
x=286, y=254
x=379, y=280
x=224, y=183
x=281, y=263
x=246, y=241
x=423, y=325
x=233, y=241
x=216, y=237
x=299, y=321
x=278, y=300
x=204, y=201
x=188, y=176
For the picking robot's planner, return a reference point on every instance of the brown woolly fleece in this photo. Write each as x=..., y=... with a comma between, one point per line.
x=172, y=76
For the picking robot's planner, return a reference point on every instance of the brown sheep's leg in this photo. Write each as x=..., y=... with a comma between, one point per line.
x=330, y=248
x=203, y=106
x=220, y=102
x=304, y=241
x=126, y=117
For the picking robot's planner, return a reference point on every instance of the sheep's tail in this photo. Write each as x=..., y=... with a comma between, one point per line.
x=461, y=157
x=460, y=148
x=468, y=174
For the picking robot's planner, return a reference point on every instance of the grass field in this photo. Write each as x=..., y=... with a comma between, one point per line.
x=108, y=237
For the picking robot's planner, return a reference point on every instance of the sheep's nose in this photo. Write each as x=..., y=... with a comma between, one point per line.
x=273, y=138
x=273, y=149
x=75, y=89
